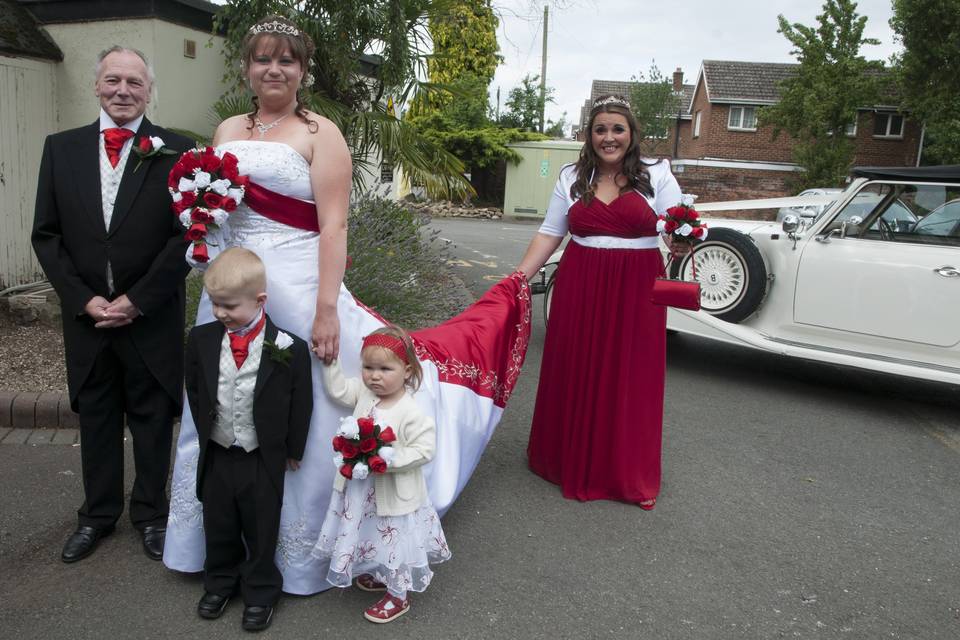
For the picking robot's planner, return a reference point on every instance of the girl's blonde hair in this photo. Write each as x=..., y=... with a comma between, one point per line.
x=416, y=371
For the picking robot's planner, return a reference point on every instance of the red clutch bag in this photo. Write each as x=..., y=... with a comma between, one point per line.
x=682, y=294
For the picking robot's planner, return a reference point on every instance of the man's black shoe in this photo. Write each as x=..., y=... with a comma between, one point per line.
x=257, y=618
x=211, y=605
x=82, y=542
x=153, y=537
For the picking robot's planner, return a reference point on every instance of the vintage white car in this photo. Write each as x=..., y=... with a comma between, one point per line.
x=872, y=282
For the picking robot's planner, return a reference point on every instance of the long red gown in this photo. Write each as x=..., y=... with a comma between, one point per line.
x=597, y=422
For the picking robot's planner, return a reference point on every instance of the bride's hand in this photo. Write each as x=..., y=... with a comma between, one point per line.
x=325, y=335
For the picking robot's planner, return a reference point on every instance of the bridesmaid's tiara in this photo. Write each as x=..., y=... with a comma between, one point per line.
x=599, y=102
x=275, y=27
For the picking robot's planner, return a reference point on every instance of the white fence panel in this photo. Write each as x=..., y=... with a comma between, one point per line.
x=27, y=114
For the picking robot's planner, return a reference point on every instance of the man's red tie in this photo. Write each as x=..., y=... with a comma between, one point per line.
x=240, y=345
x=113, y=140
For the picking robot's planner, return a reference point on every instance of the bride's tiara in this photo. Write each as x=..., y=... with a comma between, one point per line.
x=275, y=27
x=599, y=102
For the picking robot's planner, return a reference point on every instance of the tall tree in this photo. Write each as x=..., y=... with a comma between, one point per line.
x=819, y=103
x=524, y=105
x=655, y=104
x=350, y=86
x=927, y=72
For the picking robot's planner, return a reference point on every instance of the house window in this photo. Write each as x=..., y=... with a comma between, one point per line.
x=887, y=125
x=743, y=118
x=696, y=124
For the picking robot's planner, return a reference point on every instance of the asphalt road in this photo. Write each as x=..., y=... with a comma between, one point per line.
x=798, y=501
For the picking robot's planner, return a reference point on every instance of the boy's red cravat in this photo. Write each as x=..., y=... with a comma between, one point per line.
x=240, y=345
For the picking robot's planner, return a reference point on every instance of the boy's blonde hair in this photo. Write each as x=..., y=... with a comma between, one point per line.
x=236, y=271
x=416, y=371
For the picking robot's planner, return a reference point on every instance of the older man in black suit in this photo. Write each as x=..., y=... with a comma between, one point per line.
x=111, y=247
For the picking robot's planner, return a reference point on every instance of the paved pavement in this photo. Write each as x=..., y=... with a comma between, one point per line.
x=799, y=501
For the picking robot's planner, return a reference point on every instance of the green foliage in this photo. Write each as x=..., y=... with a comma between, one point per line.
x=832, y=81
x=927, y=72
x=398, y=265
x=655, y=105
x=350, y=86
x=482, y=148
x=557, y=129
x=524, y=105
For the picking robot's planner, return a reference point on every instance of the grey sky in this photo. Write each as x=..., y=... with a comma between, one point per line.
x=616, y=39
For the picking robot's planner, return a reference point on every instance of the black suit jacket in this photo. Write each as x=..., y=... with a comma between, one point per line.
x=144, y=245
x=282, y=398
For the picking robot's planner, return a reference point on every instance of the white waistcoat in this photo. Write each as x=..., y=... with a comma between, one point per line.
x=235, y=389
x=109, y=185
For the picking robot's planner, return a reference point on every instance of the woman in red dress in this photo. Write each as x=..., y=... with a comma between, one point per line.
x=597, y=422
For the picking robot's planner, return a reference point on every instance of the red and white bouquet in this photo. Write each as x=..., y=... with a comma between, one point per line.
x=205, y=189
x=682, y=223
x=362, y=447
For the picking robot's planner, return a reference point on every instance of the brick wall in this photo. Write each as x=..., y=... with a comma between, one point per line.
x=718, y=184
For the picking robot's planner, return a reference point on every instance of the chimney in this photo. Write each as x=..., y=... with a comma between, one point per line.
x=678, y=80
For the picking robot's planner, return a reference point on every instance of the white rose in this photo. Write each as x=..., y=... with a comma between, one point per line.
x=360, y=471
x=283, y=340
x=220, y=186
x=687, y=199
x=338, y=460
x=219, y=216
x=202, y=180
x=236, y=194
x=660, y=225
x=157, y=142
x=685, y=229
x=185, y=219
x=349, y=428
x=176, y=195
x=186, y=185
x=387, y=454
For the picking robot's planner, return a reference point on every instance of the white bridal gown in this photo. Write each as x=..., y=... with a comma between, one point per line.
x=464, y=387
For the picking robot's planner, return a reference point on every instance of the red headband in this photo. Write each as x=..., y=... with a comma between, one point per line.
x=391, y=343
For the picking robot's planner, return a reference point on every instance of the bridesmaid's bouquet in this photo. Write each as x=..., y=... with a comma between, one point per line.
x=205, y=189
x=362, y=447
x=682, y=223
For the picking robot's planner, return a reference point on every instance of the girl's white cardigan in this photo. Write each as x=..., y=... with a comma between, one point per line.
x=402, y=489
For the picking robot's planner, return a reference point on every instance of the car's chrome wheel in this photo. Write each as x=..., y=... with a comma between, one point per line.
x=731, y=272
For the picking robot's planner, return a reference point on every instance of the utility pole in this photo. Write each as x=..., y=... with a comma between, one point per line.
x=543, y=70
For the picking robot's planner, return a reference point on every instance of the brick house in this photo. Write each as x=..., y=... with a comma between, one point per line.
x=723, y=154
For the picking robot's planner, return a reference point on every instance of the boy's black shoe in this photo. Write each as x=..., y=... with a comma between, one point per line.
x=211, y=606
x=257, y=618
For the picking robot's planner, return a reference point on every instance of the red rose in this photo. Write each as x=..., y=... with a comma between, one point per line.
x=228, y=167
x=179, y=207
x=201, y=215
x=387, y=435
x=209, y=162
x=346, y=471
x=189, y=198
x=212, y=199
x=178, y=171
x=697, y=232
x=366, y=427
x=200, y=253
x=368, y=444
x=241, y=181
x=196, y=232
x=228, y=204
x=145, y=145
x=338, y=443
x=349, y=449
x=675, y=212
x=190, y=161
x=671, y=226
x=377, y=464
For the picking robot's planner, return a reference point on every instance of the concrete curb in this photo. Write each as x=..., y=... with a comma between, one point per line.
x=33, y=410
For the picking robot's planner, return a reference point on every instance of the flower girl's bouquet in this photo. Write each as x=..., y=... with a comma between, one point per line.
x=205, y=189
x=362, y=447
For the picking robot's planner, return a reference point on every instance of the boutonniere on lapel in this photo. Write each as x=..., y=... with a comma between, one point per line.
x=279, y=349
x=149, y=147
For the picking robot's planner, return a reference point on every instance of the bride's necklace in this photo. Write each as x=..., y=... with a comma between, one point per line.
x=263, y=128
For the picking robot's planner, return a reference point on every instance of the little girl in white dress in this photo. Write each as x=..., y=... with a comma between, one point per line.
x=383, y=529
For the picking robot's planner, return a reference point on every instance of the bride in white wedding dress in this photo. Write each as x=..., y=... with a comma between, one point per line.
x=296, y=223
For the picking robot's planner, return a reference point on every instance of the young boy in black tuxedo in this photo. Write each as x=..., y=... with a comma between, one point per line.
x=250, y=392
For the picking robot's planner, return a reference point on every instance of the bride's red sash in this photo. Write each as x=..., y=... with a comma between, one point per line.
x=280, y=208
